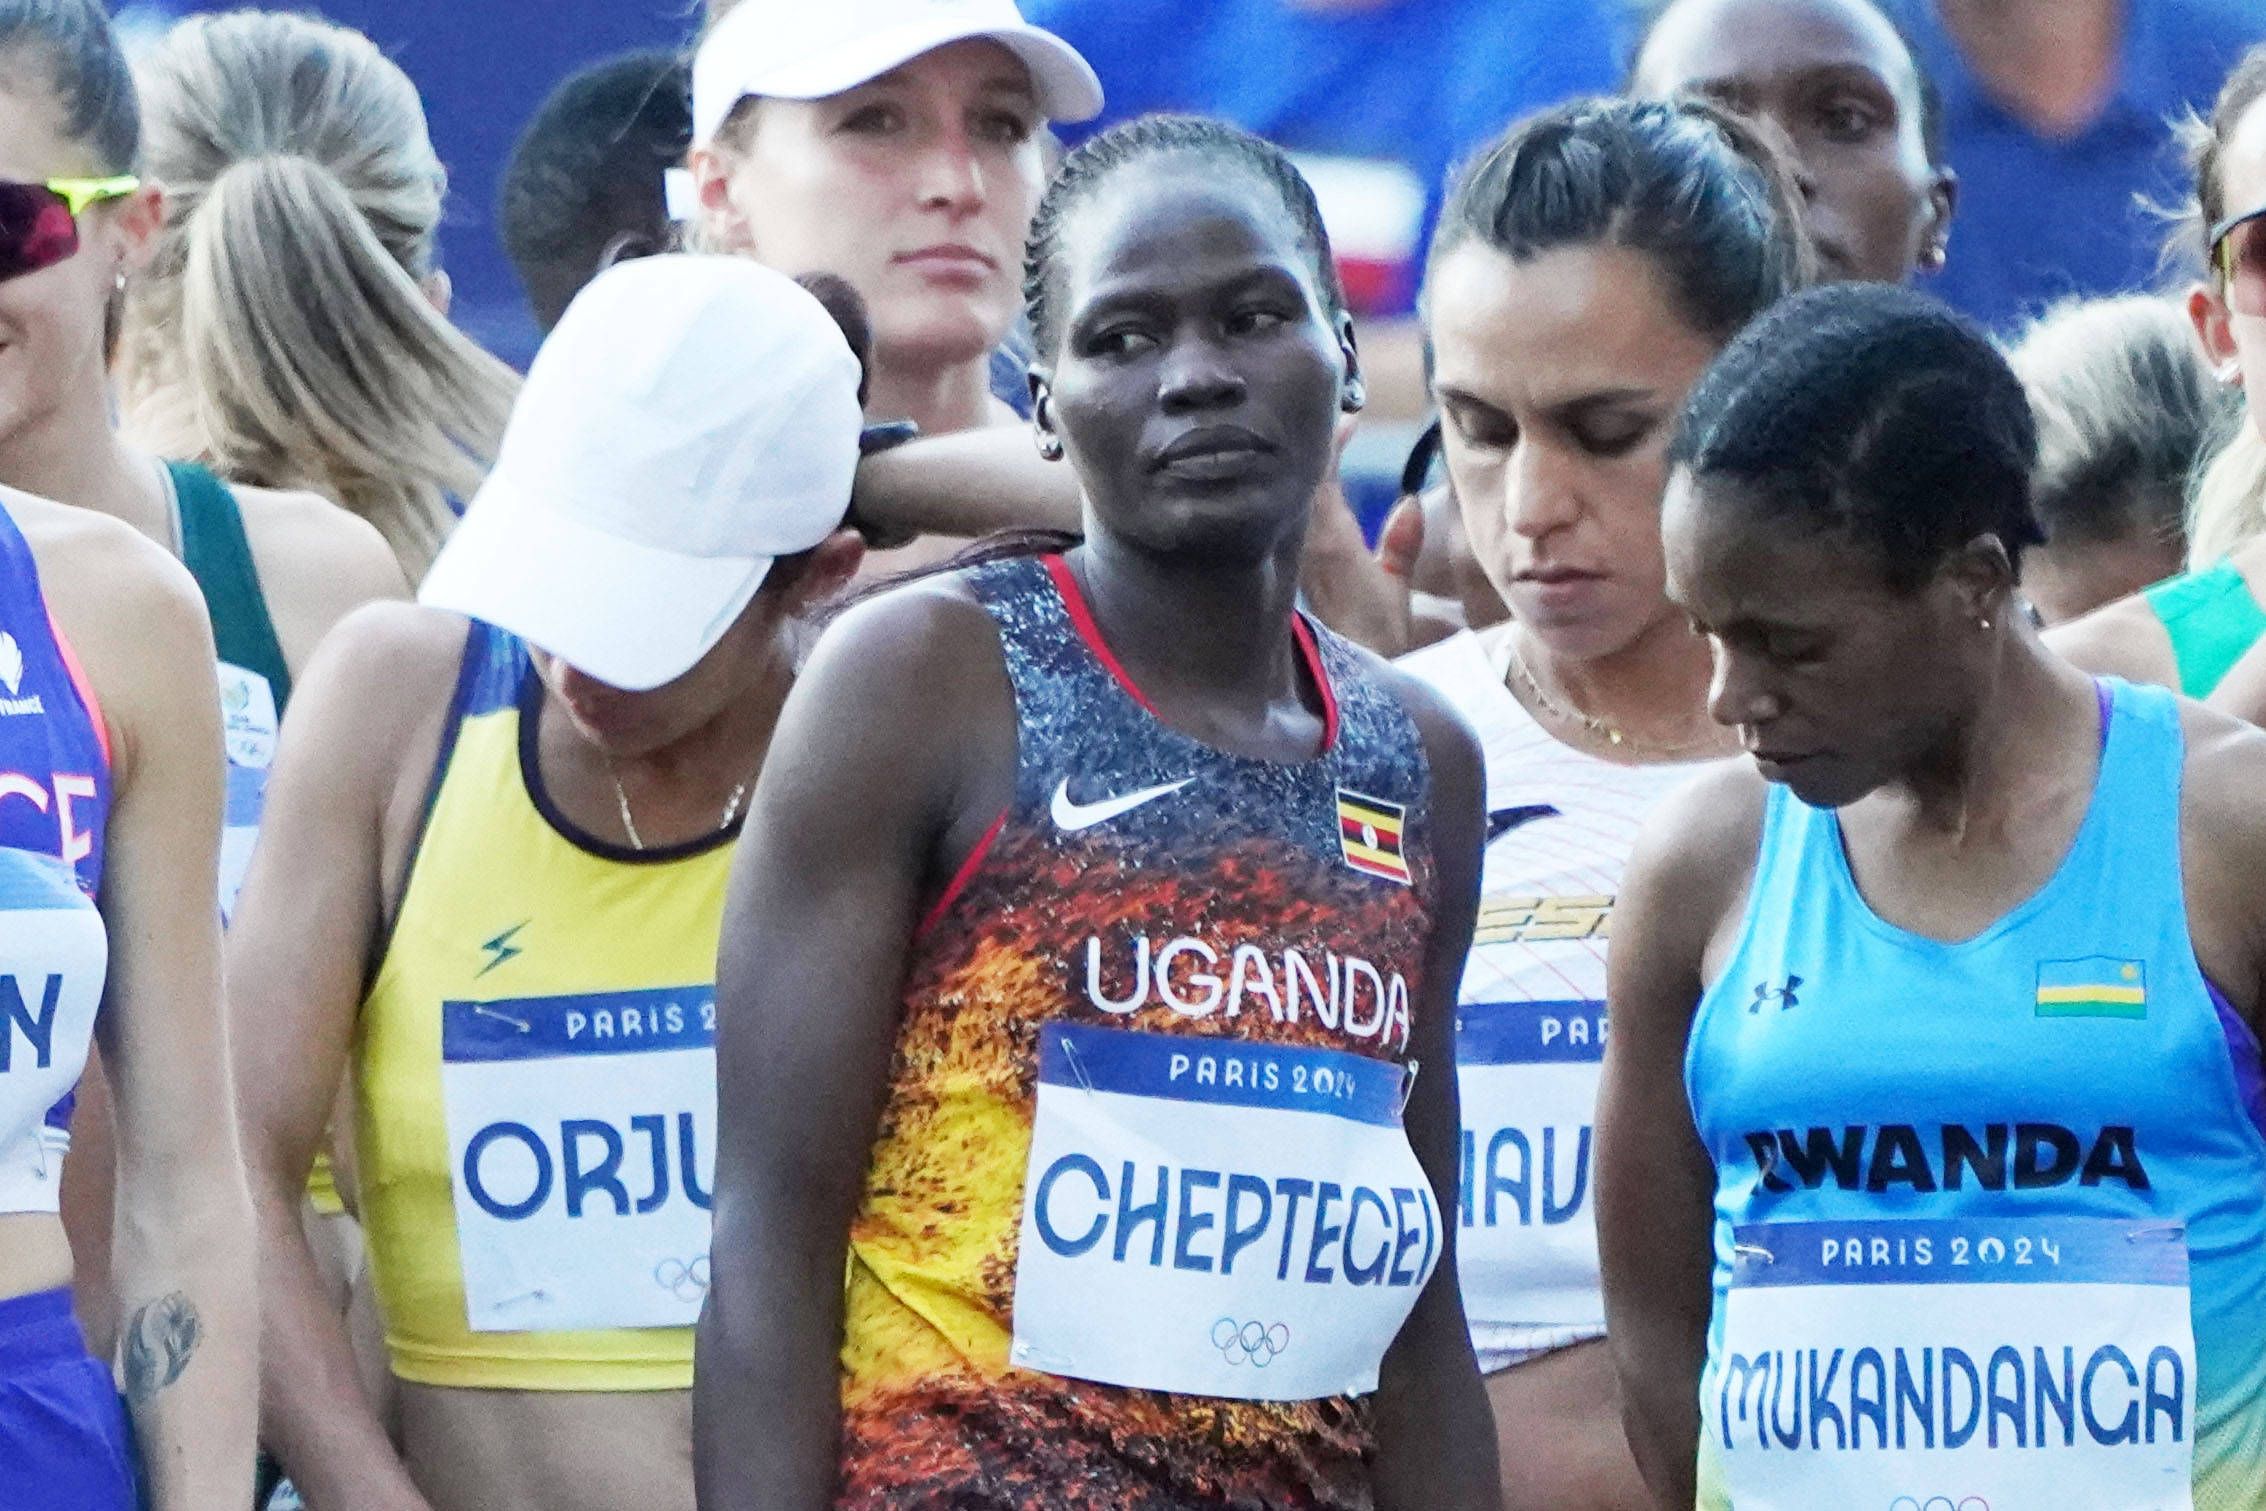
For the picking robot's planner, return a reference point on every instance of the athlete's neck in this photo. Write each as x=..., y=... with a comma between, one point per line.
x=1653, y=691
x=71, y=455
x=681, y=792
x=941, y=400
x=2052, y=62
x=1212, y=647
x=2029, y=748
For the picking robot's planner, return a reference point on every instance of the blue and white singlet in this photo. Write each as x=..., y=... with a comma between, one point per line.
x=1990, y=1216
x=54, y=950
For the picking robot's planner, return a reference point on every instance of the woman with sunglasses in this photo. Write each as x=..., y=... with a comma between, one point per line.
x=1932, y=1144
x=109, y=813
x=2187, y=633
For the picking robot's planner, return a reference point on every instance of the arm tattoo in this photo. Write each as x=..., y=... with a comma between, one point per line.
x=160, y=1339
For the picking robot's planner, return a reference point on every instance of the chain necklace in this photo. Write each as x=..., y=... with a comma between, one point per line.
x=629, y=824
x=1597, y=728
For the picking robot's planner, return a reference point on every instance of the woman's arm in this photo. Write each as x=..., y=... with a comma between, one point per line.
x=857, y=801
x=1655, y=1182
x=187, y=1347
x=971, y=483
x=297, y=951
x=1435, y=1435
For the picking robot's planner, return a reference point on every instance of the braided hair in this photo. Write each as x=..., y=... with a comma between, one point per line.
x=1699, y=191
x=1873, y=413
x=1208, y=141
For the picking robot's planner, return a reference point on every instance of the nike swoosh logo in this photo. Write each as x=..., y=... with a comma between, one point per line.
x=1071, y=817
x=1503, y=820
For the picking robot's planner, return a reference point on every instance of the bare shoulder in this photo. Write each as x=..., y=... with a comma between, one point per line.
x=2121, y=639
x=1695, y=858
x=316, y=561
x=2224, y=772
x=1449, y=744
x=130, y=612
x=908, y=637
x=404, y=655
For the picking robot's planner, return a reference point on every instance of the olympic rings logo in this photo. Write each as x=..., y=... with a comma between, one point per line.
x=1252, y=1343
x=687, y=1281
x=1939, y=1503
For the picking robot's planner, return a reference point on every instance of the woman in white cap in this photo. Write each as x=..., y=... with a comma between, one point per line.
x=897, y=144
x=490, y=890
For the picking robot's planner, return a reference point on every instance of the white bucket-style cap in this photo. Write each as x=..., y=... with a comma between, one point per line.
x=689, y=421
x=809, y=49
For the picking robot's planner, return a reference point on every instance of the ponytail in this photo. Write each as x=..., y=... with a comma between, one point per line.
x=280, y=332
x=314, y=358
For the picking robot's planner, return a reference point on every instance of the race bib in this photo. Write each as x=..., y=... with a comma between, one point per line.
x=1527, y=1076
x=1218, y=1218
x=54, y=954
x=248, y=733
x=2010, y=1366
x=582, y=1143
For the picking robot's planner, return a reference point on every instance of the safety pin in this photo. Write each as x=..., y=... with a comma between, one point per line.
x=1753, y=1251
x=1070, y=1054
x=2155, y=1230
x=1408, y=1084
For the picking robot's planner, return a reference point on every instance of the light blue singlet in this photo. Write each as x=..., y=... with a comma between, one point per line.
x=1990, y=1216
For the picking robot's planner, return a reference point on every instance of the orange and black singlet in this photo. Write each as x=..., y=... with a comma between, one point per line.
x=1141, y=1219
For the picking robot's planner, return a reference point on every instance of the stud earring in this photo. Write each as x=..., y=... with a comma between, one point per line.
x=1984, y=625
x=1050, y=446
x=1355, y=396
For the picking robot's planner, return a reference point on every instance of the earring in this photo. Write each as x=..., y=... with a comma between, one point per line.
x=120, y=283
x=1984, y=625
x=2229, y=373
x=1355, y=396
x=1050, y=445
x=1934, y=256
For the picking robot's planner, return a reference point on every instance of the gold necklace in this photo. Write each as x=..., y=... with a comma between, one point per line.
x=1598, y=728
x=629, y=824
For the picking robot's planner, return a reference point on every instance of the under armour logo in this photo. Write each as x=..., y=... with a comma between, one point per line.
x=1786, y=996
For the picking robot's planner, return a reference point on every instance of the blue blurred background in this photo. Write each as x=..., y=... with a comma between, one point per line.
x=483, y=66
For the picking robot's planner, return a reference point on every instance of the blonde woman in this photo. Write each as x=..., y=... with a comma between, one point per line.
x=290, y=328
x=2187, y=633
x=2125, y=406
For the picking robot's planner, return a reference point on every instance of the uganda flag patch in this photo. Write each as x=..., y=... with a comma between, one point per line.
x=1369, y=832
x=2094, y=987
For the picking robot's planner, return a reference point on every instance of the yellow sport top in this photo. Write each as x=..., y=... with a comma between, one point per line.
x=535, y=1077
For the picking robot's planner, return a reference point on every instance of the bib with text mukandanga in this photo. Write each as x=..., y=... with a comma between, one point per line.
x=1527, y=1075
x=2047, y=1363
x=582, y=1148
x=1218, y=1218
x=248, y=728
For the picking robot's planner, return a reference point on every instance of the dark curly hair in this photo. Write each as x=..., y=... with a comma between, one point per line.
x=1207, y=141
x=1875, y=414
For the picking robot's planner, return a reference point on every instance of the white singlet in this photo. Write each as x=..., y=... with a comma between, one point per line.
x=1530, y=1020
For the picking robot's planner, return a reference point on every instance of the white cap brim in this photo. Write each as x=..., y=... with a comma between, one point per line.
x=625, y=613
x=1065, y=83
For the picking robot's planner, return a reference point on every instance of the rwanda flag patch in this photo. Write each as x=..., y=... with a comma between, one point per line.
x=1369, y=834
x=2097, y=986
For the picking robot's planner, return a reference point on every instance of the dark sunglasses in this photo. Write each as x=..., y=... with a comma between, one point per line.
x=2238, y=256
x=39, y=223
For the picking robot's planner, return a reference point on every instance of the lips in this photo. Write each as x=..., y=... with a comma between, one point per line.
x=1215, y=453
x=950, y=257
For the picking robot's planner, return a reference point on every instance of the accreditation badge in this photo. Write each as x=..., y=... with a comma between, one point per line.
x=1218, y=1218
x=582, y=1150
x=1527, y=1076
x=249, y=726
x=2006, y=1365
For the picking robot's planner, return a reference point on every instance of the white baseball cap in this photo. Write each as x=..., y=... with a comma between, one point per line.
x=690, y=420
x=809, y=49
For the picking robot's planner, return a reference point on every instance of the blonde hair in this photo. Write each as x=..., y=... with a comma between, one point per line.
x=2125, y=406
x=280, y=332
x=2228, y=505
